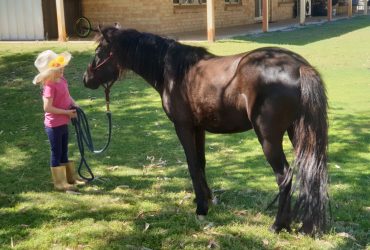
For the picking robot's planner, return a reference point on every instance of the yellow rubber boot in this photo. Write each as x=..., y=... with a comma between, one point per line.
x=72, y=177
x=60, y=179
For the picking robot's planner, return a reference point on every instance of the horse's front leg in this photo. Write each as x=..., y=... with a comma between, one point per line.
x=200, y=144
x=188, y=138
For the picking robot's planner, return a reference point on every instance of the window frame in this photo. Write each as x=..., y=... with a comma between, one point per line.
x=233, y=2
x=187, y=3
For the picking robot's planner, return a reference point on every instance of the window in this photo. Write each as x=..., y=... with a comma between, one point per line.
x=189, y=2
x=232, y=1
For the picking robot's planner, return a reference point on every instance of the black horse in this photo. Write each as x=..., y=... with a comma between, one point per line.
x=270, y=90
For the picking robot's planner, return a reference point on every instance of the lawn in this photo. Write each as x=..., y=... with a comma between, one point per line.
x=142, y=198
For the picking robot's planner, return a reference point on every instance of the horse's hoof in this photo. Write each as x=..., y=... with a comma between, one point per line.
x=201, y=217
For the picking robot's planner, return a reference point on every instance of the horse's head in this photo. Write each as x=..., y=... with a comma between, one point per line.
x=104, y=68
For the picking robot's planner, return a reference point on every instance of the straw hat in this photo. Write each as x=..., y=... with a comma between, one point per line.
x=48, y=62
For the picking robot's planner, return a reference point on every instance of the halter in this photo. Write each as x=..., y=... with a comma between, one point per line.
x=108, y=85
x=102, y=63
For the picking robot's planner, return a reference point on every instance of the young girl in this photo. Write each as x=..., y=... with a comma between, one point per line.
x=58, y=107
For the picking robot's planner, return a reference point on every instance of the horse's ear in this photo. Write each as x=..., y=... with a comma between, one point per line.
x=117, y=25
x=104, y=34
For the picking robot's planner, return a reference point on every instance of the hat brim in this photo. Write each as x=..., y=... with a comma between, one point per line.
x=43, y=75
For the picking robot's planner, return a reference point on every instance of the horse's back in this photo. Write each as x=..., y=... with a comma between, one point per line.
x=226, y=93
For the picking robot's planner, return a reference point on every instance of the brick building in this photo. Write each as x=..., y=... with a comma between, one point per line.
x=49, y=19
x=171, y=16
x=20, y=18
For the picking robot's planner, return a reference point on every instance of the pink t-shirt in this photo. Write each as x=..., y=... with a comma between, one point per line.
x=61, y=99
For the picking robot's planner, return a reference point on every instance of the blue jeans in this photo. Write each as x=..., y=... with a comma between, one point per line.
x=58, y=138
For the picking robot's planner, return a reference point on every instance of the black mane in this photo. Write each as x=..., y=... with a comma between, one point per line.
x=153, y=57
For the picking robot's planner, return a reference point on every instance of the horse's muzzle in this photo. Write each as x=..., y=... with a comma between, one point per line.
x=88, y=82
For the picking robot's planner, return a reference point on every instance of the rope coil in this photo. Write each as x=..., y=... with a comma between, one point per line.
x=83, y=136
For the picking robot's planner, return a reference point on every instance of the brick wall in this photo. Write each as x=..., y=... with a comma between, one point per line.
x=163, y=17
x=283, y=10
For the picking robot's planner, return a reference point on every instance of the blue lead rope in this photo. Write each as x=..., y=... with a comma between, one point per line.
x=83, y=136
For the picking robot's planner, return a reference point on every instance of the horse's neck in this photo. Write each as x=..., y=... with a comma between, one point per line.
x=159, y=60
x=155, y=83
x=150, y=64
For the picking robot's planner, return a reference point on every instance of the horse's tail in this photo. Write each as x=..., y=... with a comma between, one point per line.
x=310, y=144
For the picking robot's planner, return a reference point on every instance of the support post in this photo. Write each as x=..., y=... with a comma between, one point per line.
x=265, y=15
x=330, y=10
x=365, y=7
x=302, y=12
x=211, y=20
x=349, y=8
x=62, y=35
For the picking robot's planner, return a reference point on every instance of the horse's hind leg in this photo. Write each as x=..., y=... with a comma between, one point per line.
x=271, y=140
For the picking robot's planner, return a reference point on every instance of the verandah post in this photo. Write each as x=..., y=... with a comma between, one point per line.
x=211, y=20
x=62, y=35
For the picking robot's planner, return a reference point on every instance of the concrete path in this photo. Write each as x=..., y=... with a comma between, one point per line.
x=229, y=32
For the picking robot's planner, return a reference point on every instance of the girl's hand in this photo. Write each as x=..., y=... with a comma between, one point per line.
x=71, y=113
x=75, y=105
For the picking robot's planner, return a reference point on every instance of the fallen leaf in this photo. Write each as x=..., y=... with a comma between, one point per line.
x=113, y=168
x=265, y=242
x=208, y=226
x=241, y=212
x=346, y=235
x=73, y=192
x=187, y=196
x=140, y=215
x=147, y=225
x=212, y=244
x=219, y=191
x=215, y=200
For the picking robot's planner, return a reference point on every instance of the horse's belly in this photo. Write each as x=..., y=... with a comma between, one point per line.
x=231, y=123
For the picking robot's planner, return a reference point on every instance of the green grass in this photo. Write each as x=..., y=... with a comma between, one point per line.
x=146, y=156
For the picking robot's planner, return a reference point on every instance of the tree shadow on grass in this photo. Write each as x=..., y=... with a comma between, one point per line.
x=308, y=34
